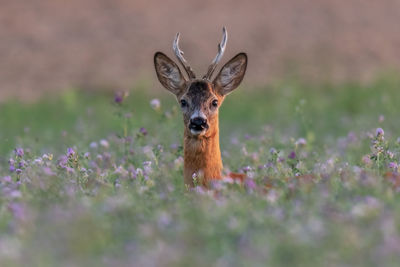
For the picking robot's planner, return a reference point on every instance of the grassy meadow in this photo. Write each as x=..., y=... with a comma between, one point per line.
x=86, y=181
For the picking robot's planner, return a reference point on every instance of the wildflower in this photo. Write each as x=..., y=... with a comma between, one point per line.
x=132, y=171
x=246, y=169
x=47, y=171
x=18, y=210
x=70, y=152
x=273, y=151
x=147, y=167
x=148, y=151
x=381, y=118
x=48, y=156
x=393, y=165
x=301, y=142
x=199, y=190
x=106, y=156
x=21, y=164
x=121, y=170
x=390, y=154
x=70, y=170
x=38, y=161
x=178, y=162
x=250, y=184
x=19, y=152
x=292, y=155
x=119, y=97
x=62, y=162
x=6, y=179
x=93, y=145
x=12, y=168
x=15, y=194
x=104, y=143
x=281, y=159
x=143, y=131
x=86, y=155
x=155, y=104
x=379, y=132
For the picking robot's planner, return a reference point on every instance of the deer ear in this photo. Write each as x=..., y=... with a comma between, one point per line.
x=231, y=74
x=168, y=73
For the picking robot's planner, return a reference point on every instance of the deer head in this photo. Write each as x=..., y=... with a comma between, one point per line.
x=200, y=98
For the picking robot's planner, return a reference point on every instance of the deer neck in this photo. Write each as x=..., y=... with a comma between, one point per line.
x=202, y=156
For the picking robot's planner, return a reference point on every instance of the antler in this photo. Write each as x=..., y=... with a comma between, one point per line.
x=221, y=50
x=179, y=55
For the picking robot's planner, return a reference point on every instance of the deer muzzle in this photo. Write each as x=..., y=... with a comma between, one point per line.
x=198, y=125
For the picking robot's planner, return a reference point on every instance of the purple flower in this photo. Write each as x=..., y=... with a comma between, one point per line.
x=93, y=145
x=246, y=169
x=250, y=184
x=12, y=168
x=292, y=155
x=379, y=132
x=393, y=165
x=19, y=152
x=147, y=167
x=118, y=97
x=18, y=210
x=62, y=161
x=281, y=159
x=70, y=152
x=6, y=179
x=143, y=131
x=47, y=171
x=21, y=164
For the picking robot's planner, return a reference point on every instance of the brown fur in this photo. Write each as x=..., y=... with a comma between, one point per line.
x=202, y=155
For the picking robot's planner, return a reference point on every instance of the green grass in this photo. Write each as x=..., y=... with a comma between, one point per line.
x=123, y=203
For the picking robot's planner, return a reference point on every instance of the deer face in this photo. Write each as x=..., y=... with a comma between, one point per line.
x=200, y=98
x=199, y=106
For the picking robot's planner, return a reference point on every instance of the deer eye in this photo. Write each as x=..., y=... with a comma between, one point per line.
x=214, y=103
x=184, y=103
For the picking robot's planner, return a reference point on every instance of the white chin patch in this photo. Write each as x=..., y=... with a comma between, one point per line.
x=194, y=132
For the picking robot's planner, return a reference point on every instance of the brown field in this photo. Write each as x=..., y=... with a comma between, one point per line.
x=48, y=45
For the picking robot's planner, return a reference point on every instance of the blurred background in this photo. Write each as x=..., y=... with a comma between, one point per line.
x=52, y=45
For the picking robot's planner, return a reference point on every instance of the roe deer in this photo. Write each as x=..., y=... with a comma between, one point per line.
x=200, y=100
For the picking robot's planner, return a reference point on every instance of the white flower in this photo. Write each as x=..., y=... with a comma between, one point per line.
x=155, y=104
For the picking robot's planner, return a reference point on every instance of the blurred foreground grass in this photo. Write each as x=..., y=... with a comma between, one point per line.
x=98, y=183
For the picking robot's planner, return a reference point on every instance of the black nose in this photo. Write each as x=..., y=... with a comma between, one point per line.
x=198, y=124
x=198, y=121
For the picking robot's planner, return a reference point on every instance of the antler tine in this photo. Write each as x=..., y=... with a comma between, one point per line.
x=221, y=50
x=179, y=55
